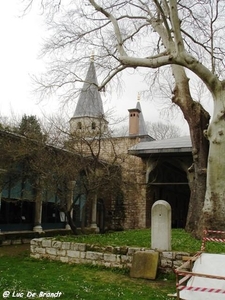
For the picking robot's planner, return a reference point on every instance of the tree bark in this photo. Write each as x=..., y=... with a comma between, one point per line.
x=71, y=222
x=214, y=205
x=198, y=120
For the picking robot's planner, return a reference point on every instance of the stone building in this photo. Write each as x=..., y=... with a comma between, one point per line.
x=133, y=171
x=150, y=170
x=167, y=175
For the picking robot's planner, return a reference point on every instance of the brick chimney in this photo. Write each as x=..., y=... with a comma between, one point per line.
x=134, y=121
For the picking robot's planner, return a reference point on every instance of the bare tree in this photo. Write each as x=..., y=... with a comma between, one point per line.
x=153, y=34
x=100, y=161
x=30, y=162
x=71, y=168
x=160, y=130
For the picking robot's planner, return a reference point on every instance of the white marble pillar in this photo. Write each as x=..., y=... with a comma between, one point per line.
x=38, y=206
x=38, y=213
x=94, y=214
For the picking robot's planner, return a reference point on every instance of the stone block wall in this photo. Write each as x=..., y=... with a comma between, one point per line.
x=113, y=257
x=134, y=177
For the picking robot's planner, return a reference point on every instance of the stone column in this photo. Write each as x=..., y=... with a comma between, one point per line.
x=94, y=214
x=2, y=171
x=38, y=210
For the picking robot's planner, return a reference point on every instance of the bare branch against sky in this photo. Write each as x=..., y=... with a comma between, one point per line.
x=23, y=39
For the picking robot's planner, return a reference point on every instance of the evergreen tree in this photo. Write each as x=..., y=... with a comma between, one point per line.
x=30, y=127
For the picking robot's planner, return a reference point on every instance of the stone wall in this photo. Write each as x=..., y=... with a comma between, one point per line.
x=134, y=179
x=113, y=257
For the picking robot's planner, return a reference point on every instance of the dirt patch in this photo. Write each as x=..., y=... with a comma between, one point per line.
x=14, y=250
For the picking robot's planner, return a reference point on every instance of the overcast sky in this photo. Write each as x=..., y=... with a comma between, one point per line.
x=21, y=40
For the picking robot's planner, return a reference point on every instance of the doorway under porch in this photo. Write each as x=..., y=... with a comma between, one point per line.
x=168, y=181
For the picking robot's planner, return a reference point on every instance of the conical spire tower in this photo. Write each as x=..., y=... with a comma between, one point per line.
x=89, y=113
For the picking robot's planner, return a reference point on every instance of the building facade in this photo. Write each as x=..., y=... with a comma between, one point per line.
x=114, y=180
x=150, y=170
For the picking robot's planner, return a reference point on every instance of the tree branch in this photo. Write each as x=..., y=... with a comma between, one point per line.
x=175, y=22
x=118, y=34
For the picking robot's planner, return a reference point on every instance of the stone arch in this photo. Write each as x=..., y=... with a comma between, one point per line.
x=168, y=180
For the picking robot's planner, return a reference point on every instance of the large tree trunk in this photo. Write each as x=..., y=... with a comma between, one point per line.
x=198, y=120
x=213, y=216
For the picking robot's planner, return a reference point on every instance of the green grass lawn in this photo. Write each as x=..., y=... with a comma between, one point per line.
x=22, y=276
x=181, y=240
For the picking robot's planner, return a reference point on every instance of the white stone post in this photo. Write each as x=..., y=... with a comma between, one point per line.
x=161, y=226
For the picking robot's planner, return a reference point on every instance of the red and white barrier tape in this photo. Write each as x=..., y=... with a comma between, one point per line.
x=214, y=231
x=213, y=239
x=201, y=289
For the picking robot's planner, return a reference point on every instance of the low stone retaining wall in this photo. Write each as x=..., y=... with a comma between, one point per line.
x=113, y=257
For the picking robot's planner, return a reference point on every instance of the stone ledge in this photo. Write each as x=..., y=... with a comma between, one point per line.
x=109, y=256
